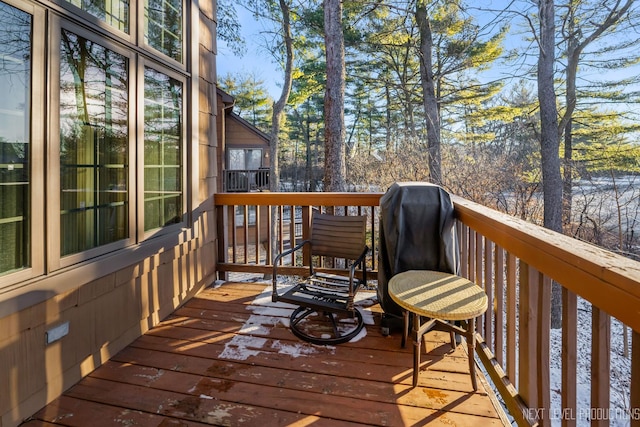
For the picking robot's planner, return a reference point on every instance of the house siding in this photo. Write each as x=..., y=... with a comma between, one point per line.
x=110, y=301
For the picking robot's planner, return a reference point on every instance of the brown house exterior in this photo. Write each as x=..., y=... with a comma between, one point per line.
x=120, y=229
x=243, y=158
x=243, y=147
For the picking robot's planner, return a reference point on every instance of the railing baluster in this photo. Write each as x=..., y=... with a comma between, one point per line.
x=234, y=235
x=464, y=248
x=270, y=222
x=544, y=329
x=281, y=231
x=472, y=252
x=257, y=236
x=292, y=232
x=488, y=288
x=600, y=363
x=528, y=335
x=569, y=353
x=479, y=240
x=245, y=232
x=634, y=398
x=499, y=295
x=512, y=327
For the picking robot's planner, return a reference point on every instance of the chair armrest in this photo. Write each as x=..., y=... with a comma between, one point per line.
x=352, y=269
x=274, y=295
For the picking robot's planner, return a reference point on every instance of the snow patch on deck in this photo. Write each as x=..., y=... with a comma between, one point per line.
x=268, y=315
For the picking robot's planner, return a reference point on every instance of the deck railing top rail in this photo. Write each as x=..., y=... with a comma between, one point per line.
x=607, y=280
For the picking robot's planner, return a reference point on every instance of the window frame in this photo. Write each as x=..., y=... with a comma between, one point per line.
x=95, y=21
x=144, y=62
x=182, y=64
x=55, y=259
x=44, y=242
x=37, y=108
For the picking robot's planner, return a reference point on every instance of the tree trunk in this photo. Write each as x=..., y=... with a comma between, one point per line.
x=278, y=107
x=334, y=160
x=276, y=118
x=550, y=139
x=428, y=91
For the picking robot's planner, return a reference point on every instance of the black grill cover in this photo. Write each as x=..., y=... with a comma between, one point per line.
x=417, y=232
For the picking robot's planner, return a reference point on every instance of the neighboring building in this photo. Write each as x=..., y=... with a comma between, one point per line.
x=243, y=148
x=108, y=160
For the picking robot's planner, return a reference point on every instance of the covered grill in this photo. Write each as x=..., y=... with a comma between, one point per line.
x=417, y=232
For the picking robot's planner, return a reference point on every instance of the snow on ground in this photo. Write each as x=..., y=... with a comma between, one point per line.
x=618, y=414
x=620, y=374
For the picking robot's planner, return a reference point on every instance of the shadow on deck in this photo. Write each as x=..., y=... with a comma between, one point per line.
x=228, y=358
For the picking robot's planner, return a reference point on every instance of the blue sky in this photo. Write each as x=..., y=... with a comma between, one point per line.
x=255, y=61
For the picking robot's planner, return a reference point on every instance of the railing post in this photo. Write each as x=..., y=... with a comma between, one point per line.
x=306, y=231
x=222, y=221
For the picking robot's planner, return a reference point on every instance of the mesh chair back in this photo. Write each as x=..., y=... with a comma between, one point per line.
x=338, y=236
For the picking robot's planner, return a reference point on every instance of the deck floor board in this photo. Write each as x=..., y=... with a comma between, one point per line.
x=227, y=357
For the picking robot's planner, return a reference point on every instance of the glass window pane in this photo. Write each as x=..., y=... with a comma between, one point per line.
x=236, y=159
x=163, y=27
x=15, y=76
x=254, y=159
x=113, y=12
x=163, y=192
x=94, y=159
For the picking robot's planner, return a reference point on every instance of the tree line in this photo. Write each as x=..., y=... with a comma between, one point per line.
x=508, y=103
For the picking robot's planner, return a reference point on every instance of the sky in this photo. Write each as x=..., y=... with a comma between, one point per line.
x=255, y=61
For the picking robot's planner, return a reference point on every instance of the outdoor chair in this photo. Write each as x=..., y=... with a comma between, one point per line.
x=326, y=312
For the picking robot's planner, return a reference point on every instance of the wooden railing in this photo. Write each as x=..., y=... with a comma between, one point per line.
x=517, y=264
x=246, y=180
x=247, y=222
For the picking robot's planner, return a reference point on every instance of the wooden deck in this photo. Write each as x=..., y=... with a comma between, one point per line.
x=228, y=358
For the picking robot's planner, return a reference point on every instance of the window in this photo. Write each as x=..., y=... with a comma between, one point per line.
x=163, y=27
x=163, y=194
x=93, y=149
x=245, y=159
x=94, y=164
x=15, y=77
x=113, y=12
